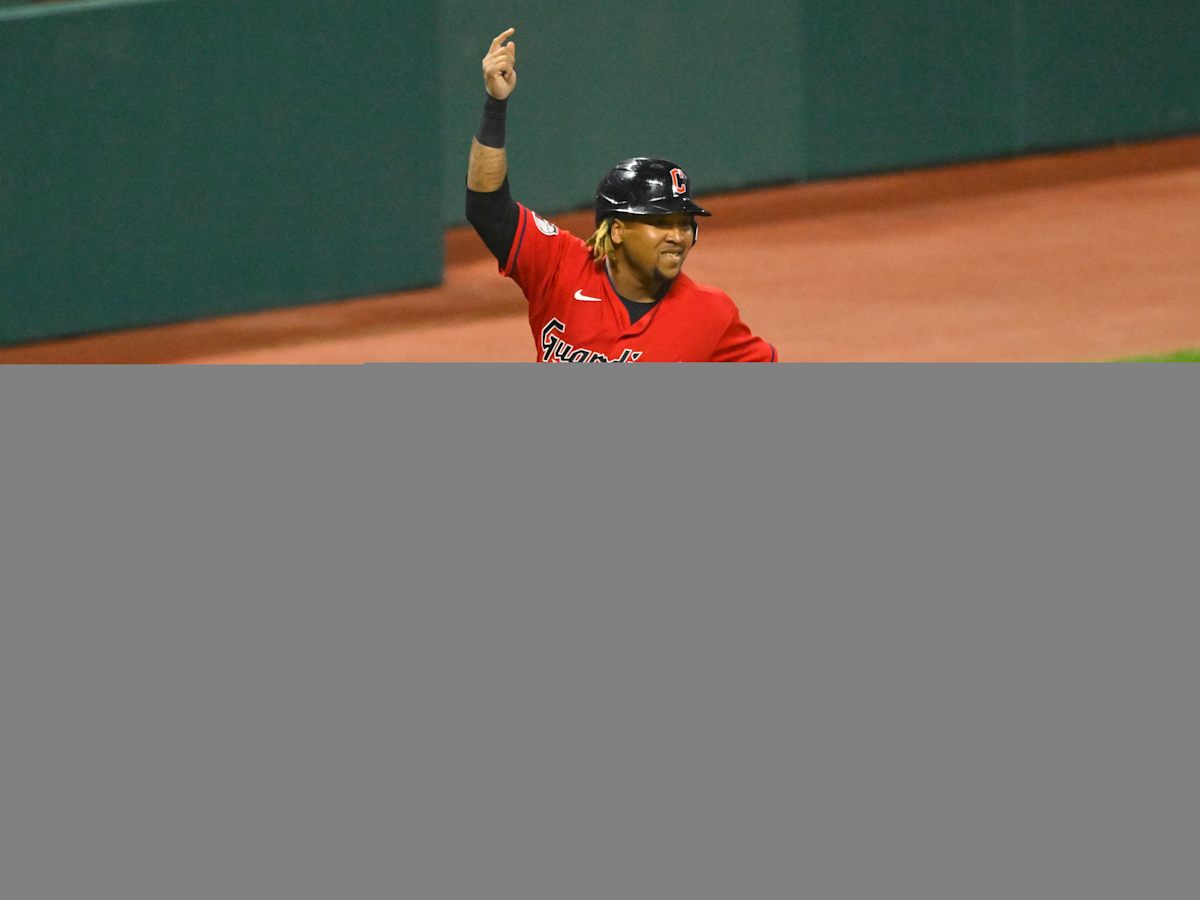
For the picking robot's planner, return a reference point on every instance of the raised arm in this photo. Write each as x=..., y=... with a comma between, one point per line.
x=487, y=165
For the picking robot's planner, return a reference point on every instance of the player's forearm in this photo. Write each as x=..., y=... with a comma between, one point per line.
x=486, y=167
x=488, y=163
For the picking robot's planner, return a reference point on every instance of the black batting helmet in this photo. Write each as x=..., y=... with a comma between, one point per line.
x=645, y=187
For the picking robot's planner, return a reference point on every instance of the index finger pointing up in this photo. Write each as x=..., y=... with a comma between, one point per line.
x=502, y=37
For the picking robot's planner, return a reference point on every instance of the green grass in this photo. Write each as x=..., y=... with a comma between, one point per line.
x=1177, y=356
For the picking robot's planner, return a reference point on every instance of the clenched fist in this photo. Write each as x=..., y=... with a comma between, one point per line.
x=499, y=66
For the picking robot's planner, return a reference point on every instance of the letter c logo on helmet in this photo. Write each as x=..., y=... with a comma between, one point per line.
x=678, y=182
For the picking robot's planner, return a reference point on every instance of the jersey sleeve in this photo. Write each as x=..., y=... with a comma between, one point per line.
x=538, y=251
x=739, y=344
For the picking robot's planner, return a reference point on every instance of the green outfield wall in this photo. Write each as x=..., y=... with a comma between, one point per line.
x=163, y=160
x=166, y=160
x=761, y=93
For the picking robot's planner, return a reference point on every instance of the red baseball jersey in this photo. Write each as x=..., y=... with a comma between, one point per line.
x=576, y=316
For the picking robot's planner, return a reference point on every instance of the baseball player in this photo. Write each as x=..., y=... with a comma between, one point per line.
x=620, y=296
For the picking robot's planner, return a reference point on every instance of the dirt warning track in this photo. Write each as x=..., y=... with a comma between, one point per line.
x=1082, y=256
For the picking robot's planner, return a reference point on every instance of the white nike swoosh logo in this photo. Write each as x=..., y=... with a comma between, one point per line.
x=580, y=295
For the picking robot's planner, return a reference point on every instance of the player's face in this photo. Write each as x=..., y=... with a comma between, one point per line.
x=656, y=246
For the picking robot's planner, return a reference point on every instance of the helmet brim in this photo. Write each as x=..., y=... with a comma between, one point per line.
x=633, y=211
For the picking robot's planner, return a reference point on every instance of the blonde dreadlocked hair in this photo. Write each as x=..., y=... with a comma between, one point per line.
x=601, y=241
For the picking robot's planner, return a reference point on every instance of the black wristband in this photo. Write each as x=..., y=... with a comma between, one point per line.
x=491, y=124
